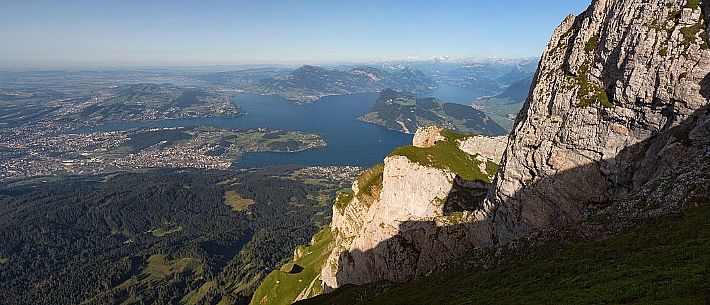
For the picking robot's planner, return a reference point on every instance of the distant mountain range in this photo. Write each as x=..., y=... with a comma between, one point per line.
x=309, y=83
x=241, y=78
x=488, y=77
x=405, y=113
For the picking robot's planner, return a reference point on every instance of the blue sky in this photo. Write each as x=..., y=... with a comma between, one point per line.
x=181, y=32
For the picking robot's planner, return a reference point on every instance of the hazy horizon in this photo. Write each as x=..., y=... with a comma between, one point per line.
x=175, y=33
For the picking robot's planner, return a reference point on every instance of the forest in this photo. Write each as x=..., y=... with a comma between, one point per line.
x=154, y=237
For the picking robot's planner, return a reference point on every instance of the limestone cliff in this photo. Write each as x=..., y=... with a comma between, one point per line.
x=407, y=225
x=618, y=99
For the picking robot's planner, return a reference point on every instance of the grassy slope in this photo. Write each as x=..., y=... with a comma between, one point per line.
x=446, y=155
x=370, y=184
x=665, y=261
x=282, y=286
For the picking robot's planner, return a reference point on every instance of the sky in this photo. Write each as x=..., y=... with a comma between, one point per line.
x=215, y=32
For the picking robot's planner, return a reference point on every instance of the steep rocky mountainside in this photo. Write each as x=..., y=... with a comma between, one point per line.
x=620, y=98
x=404, y=112
x=389, y=229
x=614, y=136
x=639, y=251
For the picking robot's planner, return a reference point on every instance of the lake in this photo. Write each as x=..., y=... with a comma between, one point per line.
x=350, y=141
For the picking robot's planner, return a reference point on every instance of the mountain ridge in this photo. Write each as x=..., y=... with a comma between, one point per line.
x=310, y=83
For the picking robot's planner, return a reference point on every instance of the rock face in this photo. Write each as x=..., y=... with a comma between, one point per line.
x=489, y=147
x=616, y=102
x=411, y=226
x=620, y=98
x=427, y=136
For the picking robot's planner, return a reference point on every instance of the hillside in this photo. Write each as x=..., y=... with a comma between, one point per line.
x=405, y=113
x=663, y=261
x=310, y=83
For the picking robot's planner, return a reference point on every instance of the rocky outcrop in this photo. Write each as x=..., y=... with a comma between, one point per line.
x=606, y=112
x=411, y=225
x=488, y=147
x=427, y=136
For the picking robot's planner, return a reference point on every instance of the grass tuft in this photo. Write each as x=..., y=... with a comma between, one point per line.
x=592, y=43
x=344, y=198
x=370, y=184
x=590, y=93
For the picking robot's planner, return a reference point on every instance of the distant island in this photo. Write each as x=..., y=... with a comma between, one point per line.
x=403, y=112
x=309, y=83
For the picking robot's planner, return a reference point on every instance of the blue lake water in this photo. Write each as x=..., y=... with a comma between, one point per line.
x=350, y=141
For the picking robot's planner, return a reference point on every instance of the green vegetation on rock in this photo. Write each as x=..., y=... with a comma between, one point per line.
x=370, y=184
x=446, y=155
x=592, y=43
x=282, y=287
x=344, y=198
x=692, y=4
x=690, y=33
x=369, y=188
x=663, y=51
x=590, y=93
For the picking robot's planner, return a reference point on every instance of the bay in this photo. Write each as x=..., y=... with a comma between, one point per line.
x=350, y=141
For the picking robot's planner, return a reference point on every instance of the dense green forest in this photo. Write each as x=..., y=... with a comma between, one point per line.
x=154, y=237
